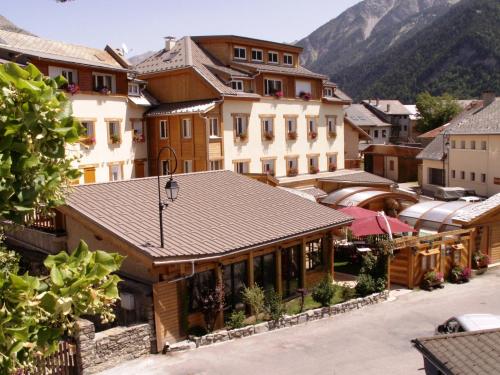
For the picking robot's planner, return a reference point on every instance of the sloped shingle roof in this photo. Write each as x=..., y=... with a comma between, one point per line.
x=485, y=121
x=359, y=115
x=395, y=106
x=354, y=176
x=196, y=106
x=299, y=71
x=215, y=213
x=471, y=213
x=55, y=50
x=466, y=353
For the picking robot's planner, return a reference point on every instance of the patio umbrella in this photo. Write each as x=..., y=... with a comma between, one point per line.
x=357, y=212
x=373, y=225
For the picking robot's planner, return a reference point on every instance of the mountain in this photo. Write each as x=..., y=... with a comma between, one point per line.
x=367, y=29
x=458, y=53
x=6, y=25
x=134, y=60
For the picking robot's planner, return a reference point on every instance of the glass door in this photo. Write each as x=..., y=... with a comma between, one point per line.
x=290, y=270
x=235, y=280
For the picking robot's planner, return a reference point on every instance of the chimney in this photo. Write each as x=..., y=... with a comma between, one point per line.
x=488, y=97
x=388, y=108
x=169, y=42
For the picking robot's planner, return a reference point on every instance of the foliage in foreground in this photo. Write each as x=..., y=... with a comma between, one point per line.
x=35, y=125
x=35, y=312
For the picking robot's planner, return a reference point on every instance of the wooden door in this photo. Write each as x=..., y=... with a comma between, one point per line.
x=378, y=165
x=139, y=169
x=88, y=175
x=495, y=243
x=166, y=308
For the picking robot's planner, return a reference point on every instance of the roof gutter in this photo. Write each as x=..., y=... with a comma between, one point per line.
x=272, y=242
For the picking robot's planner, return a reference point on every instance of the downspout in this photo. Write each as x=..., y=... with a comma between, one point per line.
x=185, y=276
x=382, y=213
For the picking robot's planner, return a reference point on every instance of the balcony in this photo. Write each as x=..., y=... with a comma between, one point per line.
x=352, y=163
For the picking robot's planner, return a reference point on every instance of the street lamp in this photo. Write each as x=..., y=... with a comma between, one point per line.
x=171, y=188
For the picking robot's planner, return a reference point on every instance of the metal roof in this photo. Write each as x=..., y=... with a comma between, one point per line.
x=359, y=115
x=472, y=213
x=196, y=106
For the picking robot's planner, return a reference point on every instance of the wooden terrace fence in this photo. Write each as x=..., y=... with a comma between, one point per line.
x=62, y=362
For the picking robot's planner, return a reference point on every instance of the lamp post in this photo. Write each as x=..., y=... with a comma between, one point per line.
x=171, y=188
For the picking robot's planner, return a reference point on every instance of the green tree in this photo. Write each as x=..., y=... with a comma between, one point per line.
x=435, y=111
x=35, y=125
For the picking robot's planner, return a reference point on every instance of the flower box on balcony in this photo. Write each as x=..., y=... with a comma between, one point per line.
x=278, y=94
x=292, y=136
x=305, y=95
x=313, y=135
x=72, y=88
x=104, y=90
x=313, y=170
x=332, y=134
x=292, y=172
x=332, y=167
x=241, y=137
x=114, y=139
x=138, y=138
x=87, y=141
x=268, y=136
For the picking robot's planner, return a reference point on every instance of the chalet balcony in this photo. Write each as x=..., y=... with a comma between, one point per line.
x=352, y=163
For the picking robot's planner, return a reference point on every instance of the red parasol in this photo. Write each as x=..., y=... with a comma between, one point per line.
x=373, y=225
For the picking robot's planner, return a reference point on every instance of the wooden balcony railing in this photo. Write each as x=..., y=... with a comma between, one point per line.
x=46, y=223
x=352, y=163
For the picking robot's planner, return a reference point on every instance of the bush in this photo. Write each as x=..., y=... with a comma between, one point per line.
x=347, y=293
x=197, y=331
x=255, y=297
x=480, y=260
x=366, y=285
x=460, y=274
x=236, y=320
x=324, y=291
x=274, y=306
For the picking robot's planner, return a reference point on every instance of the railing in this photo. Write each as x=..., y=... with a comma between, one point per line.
x=352, y=163
x=46, y=223
x=62, y=362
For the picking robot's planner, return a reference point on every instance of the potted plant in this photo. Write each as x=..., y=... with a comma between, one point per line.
x=313, y=169
x=104, y=90
x=268, y=136
x=114, y=139
x=292, y=172
x=432, y=279
x=305, y=95
x=460, y=274
x=138, y=138
x=332, y=167
x=480, y=262
x=292, y=135
x=72, y=88
x=242, y=137
x=313, y=135
x=332, y=134
x=88, y=141
x=278, y=94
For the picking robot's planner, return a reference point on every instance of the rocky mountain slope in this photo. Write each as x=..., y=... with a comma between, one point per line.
x=6, y=25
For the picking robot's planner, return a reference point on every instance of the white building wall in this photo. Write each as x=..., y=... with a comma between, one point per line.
x=98, y=108
x=379, y=139
x=255, y=148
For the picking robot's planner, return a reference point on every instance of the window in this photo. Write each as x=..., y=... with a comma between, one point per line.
x=328, y=92
x=375, y=133
x=272, y=57
x=268, y=166
x=214, y=127
x=483, y=178
x=264, y=270
x=267, y=128
x=271, y=86
x=291, y=128
x=163, y=129
x=165, y=167
x=287, y=59
x=384, y=133
x=312, y=128
x=332, y=162
x=483, y=145
x=114, y=132
x=290, y=270
x=215, y=165
x=453, y=144
x=292, y=167
x=241, y=167
x=453, y=173
x=472, y=145
x=235, y=279
x=391, y=165
x=188, y=166
x=133, y=89
x=473, y=176
x=138, y=130
x=71, y=75
x=314, y=254
x=462, y=175
x=240, y=53
x=89, y=175
x=302, y=88
x=428, y=262
x=436, y=176
x=331, y=122
x=89, y=129
x=405, y=127
x=139, y=169
x=197, y=286
x=115, y=172
x=313, y=164
x=186, y=128
x=104, y=83
x=240, y=127
x=257, y=54
x=237, y=85
x=462, y=145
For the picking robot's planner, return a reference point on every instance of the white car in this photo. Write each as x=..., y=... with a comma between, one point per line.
x=471, y=199
x=469, y=322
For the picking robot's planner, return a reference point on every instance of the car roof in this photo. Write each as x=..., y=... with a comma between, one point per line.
x=476, y=322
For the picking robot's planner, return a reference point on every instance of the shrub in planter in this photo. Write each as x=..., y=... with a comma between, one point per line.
x=274, y=306
x=268, y=136
x=255, y=297
x=432, y=279
x=324, y=291
x=460, y=275
x=236, y=320
x=365, y=285
x=292, y=172
x=480, y=260
x=347, y=293
x=292, y=135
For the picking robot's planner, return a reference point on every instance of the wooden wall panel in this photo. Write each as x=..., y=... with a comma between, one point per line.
x=166, y=306
x=399, y=269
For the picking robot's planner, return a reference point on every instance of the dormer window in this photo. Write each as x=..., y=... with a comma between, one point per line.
x=133, y=89
x=328, y=92
x=272, y=57
x=240, y=53
x=287, y=59
x=237, y=85
x=257, y=55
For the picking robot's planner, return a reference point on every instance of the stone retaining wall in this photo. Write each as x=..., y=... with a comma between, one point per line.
x=99, y=351
x=286, y=321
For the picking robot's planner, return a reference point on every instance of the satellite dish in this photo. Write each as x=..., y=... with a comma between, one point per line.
x=125, y=49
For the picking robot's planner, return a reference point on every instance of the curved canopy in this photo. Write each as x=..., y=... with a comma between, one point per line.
x=360, y=196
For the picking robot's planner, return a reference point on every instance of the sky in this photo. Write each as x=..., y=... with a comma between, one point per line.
x=142, y=24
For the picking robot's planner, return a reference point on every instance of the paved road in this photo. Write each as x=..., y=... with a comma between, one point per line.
x=373, y=340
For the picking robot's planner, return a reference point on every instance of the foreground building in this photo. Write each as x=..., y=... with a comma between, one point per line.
x=104, y=97
x=230, y=102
